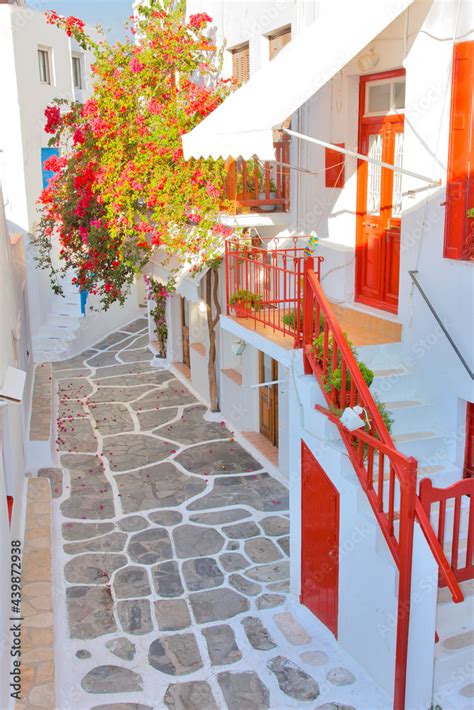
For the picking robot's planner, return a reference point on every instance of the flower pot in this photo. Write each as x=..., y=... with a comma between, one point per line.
x=241, y=310
x=262, y=196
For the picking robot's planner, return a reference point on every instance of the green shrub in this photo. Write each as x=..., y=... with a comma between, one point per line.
x=289, y=319
x=334, y=377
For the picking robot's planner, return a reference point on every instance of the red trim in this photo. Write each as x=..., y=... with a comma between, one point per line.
x=10, y=508
x=386, y=297
x=459, y=228
x=469, y=447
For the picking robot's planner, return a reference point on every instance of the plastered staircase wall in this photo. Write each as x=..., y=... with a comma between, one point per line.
x=421, y=428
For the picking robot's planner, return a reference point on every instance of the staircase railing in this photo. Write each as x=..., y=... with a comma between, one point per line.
x=435, y=502
x=387, y=476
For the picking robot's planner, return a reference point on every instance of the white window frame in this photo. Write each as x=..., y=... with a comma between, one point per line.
x=47, y=51
x=80, y=59
x=378, y=82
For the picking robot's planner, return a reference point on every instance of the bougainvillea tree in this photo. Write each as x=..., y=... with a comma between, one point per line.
x=121, y=187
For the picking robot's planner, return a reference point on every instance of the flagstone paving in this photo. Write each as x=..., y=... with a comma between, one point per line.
x=172, y=548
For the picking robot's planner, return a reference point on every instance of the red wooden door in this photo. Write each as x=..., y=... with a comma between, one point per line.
x=320, y=541
x=379, y=210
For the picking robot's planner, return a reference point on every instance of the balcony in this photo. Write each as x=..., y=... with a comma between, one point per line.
x=262, y=188
x=264, y=287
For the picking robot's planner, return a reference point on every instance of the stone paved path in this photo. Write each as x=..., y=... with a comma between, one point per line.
x=171, y=557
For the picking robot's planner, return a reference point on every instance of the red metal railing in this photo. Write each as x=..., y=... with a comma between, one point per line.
x=444, y=508
x=265, y=285
x=255, y=186
x=387, y=476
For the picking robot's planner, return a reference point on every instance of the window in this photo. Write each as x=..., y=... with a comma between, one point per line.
x=77, y=72
x=385, y=96
x=278, y=40
x=241, y=63
x=44, y=66
x=459, y=218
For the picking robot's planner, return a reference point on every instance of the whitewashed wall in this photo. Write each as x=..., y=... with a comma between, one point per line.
x=14, y=345
x=368, y=579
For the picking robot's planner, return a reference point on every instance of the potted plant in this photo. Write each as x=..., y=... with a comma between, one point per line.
x=262, y=195
x=243, y=302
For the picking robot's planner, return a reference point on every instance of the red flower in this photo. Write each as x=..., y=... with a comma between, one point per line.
x=155, y=107
x=199, y=20
x=212, y=190
x=78, y=137
x=53, y=116
x=136, y=65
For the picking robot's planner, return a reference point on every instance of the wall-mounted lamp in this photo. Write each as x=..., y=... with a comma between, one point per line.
x=238, y=347
x=368, y=61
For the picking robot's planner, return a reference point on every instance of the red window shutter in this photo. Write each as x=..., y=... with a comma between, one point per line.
x=459, y=228
x=335, y=169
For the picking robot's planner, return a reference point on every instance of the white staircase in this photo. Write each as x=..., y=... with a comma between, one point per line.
x=418, y=431
x=61, y=328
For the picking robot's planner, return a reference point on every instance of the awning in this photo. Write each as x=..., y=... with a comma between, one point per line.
x=243, y=125
x=187, y=279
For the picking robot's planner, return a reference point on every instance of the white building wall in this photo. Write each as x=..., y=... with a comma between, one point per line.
x=22, y=135
x=15, y=344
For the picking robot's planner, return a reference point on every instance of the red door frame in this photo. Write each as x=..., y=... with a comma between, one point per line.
x=386, y=187
x=468, y=471
x=325, y=609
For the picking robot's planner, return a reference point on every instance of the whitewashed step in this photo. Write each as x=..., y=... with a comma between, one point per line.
x=454, y=652
x=59, y=332
x=66, y=306
x=451, y=615
x=394, y=383
x=428, y=447
x=63, y=320
x=379, y=357
x=410, y=414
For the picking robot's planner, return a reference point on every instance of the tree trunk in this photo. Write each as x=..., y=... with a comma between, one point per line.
x=212, y=294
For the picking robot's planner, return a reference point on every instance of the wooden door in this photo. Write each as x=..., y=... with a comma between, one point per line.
x=268, y=398
x=379, y=197
x=185, y=332
x=320, y=541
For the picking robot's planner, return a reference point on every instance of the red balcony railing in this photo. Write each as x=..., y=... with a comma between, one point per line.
x=387, y=477
x=265, y=285
x=255, y=186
